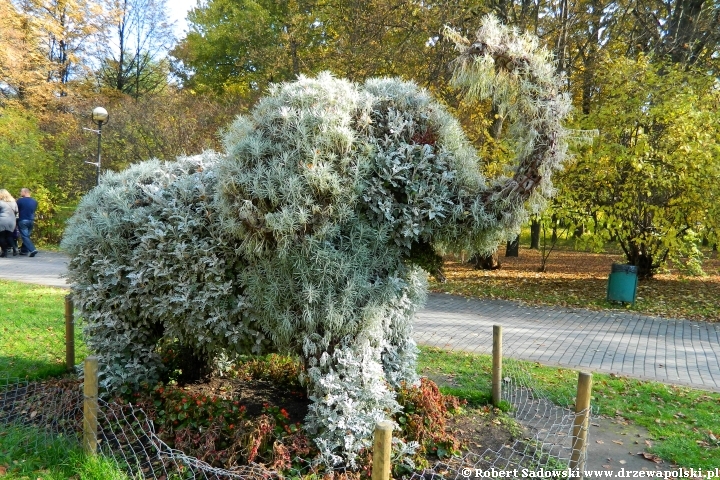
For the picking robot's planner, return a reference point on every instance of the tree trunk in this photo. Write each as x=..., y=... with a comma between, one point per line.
x=535, y=229
x=579, y=231
x=512, y=249
x=643, y=260
x=485, y=262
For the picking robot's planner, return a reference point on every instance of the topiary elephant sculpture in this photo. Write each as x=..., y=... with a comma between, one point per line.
x=313, y=232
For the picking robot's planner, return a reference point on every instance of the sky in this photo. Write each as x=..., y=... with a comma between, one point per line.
x=177, y=11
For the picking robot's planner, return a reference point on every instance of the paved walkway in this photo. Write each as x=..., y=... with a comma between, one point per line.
x=673, y=351
x=666, y=350
x=47, y=268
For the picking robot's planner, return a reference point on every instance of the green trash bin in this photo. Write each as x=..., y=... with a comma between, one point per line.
x=622, y=283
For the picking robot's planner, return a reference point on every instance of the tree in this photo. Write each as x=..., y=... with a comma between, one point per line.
x=23, y=65
x=652, y=177
x=242, y=46
x=135, y=63
x=163, y=125
x=69, y=31
x=24, y=160
x=680, y=31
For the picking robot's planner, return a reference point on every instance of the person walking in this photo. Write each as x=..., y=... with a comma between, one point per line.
x=15, y=237
x=26, y=206
x=8, y=219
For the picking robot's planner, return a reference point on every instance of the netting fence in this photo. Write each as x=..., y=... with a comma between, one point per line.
x=553, y=437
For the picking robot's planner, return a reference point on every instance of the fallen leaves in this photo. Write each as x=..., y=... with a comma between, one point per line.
x=580, y=279
x=651, y=456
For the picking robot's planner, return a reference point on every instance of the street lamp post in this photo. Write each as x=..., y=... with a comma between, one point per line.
x=99, y=116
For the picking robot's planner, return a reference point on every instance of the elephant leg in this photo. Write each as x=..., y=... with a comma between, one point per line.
x=349, y=397
x=399, y=356
x=127, y=354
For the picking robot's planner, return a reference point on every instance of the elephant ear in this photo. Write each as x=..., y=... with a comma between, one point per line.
x=409, y=186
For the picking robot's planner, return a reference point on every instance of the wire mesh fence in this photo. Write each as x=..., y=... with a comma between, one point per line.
x=555, y=437
x=127, y=437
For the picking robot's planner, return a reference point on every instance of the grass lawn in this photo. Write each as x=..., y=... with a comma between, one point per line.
x=32, y=346
x=32, y=331
x=27, y=454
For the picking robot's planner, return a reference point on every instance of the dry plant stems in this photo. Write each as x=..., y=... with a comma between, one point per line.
x=313, y=233
x=546, y=250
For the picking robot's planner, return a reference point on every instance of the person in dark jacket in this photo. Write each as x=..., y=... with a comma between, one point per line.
x=26, y=218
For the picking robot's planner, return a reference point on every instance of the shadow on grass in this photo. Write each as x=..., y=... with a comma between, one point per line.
x=22, y=368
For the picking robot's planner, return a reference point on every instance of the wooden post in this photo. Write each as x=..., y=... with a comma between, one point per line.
x=497, y=365
x=90, y=405
x=382, y=449
x=69, y=333
x=582, y=418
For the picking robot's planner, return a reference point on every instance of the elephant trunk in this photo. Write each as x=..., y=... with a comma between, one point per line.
x=519, y=77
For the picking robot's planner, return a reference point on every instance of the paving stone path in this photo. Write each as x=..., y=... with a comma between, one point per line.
x=680, y=352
